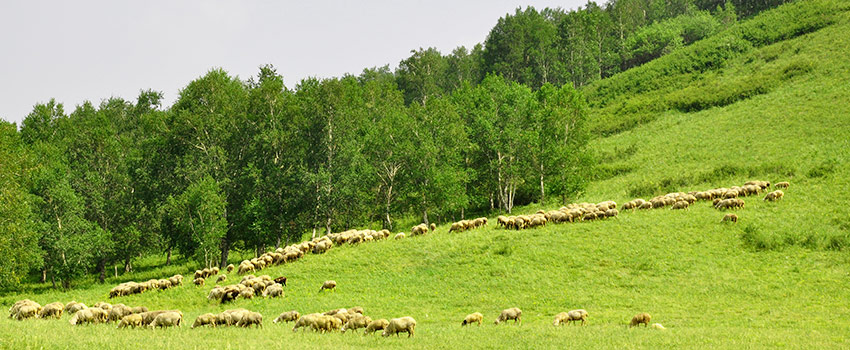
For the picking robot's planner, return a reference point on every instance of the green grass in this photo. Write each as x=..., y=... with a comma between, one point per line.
x=777, y=278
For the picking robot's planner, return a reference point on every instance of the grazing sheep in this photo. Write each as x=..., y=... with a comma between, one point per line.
x=118, y=312
x=221, y=278
x=640, y=318
x=356, y=309
x=475, y=317
x=326, y=323
x=563, y=317
x=306, y=321
x=575, y=315
x=273, y=291
x=645, y=205
x=90, y=315
x=52, y=310
x=205, y=319
x=510, y=314
x=729, y=217
x=167, y=319
x=420, y=229
x=27, y=311
x=149, y=316
x=329, y=285
x=399, y=235
x=229, y=295
x=73, y=307
x=198, y=282
x=680, y=205
x=376, y=325
x=456, y=227
x=774, y=196
x=246, y=293
x=133, y=320
x=251, y=318
x=288, y=316
x=356, y=321
x=658, y=326
x=398, y=325
x=783, y=184
x=281, y=280
x=433, y=227
x=138, y=309
x=610, y=213
x=230, y=268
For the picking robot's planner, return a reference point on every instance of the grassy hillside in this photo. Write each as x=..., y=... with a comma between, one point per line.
x=776, y=279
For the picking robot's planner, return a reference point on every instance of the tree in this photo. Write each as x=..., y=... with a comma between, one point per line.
x=197, y=218
x=211, y=139
x=523, y=48
x=19, y=244
x=559, y=156
x=421, y=76
x=496, y=112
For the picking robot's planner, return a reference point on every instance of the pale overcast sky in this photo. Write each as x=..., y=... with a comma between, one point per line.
x=91, y=50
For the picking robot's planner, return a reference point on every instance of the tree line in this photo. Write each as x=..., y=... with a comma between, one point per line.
x=251, y=164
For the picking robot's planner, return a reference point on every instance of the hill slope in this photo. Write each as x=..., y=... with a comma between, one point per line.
x=777, y=278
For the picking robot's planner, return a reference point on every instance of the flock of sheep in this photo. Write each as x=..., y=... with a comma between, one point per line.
x=342, y=320
x=354, y=318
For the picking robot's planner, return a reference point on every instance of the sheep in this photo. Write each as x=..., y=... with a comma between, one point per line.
x=329, y=285
x=398, y=325
x=376, y=325
x=288, y=316
x=680, y=205
x=783, y=184
x=198, y=282
x=73, y=307
x=251, y=318
x=658, y=326
x=221, y=278
x=118, y=312
x=640, y=318
x=281, y=280
x=176, y=280
x=612, y=213
x=81, y=317
x=205, y=319
x=223, y=319
x=167, y=319
x=774, y=196
x=510, y=314
x=229, y=295
x=138, y=309
x=729, y=217
x=420, y=229
x=230, y=268
x=326, y=323
x=645, y=205
x=433, y=227
x=149, y=316
x=456, y=227
x=356, y=309
x=246, y=293
x=103, y=305
x=28, y=311
x=52, y=310
x=356, y=321
x=134, y=320
x=475, y=317
x=563, y=317
x=575, y=315
x=399, y=235
x=273, y=291
x=306, y=321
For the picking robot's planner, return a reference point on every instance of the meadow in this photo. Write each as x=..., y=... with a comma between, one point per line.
x=776, y=279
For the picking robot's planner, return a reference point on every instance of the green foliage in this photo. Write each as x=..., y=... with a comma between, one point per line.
x=197, y=216
x=664, y=37
x=19, y=239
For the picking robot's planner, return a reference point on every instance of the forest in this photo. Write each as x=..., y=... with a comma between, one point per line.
x=250, y=164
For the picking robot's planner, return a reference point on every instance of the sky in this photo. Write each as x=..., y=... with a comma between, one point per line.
x=75, y=51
